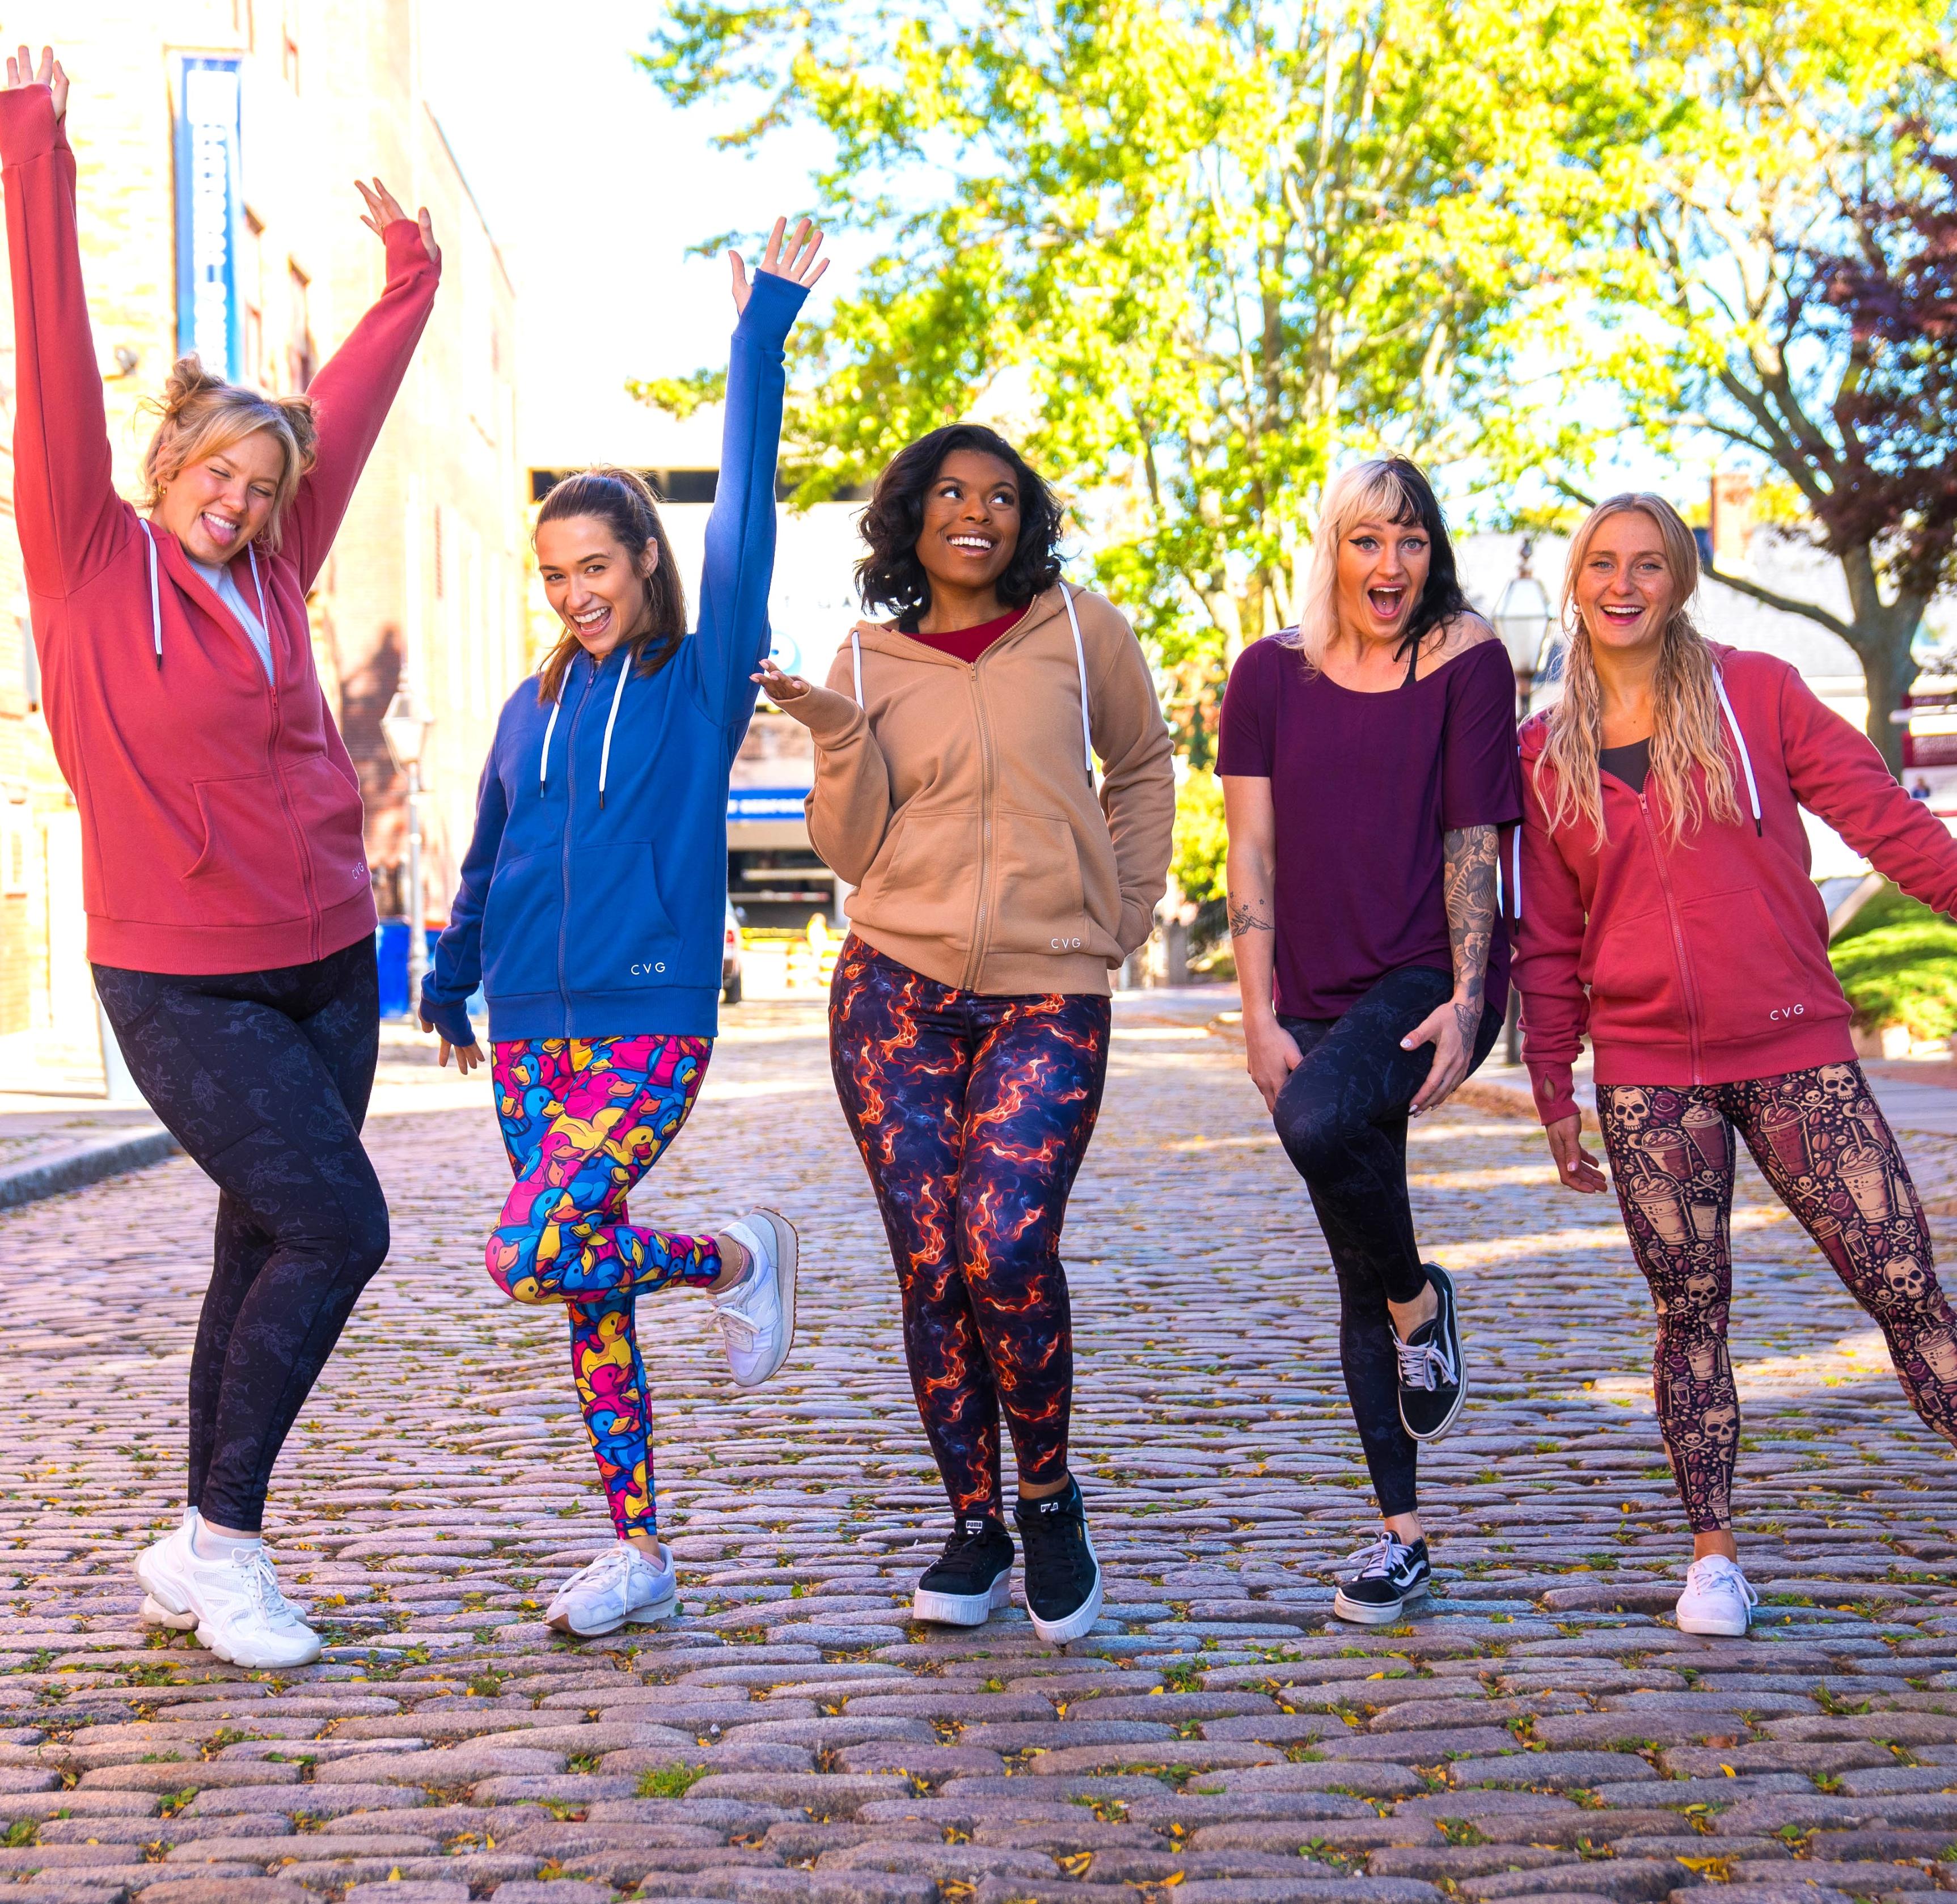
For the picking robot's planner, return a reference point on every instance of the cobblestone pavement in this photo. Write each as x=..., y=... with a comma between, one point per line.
x=1543, y=1732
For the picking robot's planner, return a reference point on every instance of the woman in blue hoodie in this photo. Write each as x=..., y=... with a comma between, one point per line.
x=592, y=905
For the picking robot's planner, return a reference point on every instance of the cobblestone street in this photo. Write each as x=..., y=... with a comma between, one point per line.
x=1544, y=1732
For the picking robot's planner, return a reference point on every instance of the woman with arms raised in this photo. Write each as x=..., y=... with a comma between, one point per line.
x=969, y=1016
x=230, y=916
x=1668, y=912
x=1367, y=758
x=591, y=909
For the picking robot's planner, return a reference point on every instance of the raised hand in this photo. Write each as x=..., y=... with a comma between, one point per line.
x=781, y=689
x=21, y=71
x=384, y=209
x=797, y=260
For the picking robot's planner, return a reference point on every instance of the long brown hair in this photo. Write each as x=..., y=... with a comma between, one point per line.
x=620, y=498
x=201, y=414
x=1686, y=730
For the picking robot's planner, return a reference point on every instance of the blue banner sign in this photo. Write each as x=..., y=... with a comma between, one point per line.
x=766, y=802
x=210, y=190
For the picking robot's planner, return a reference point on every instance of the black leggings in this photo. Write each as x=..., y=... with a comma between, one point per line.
x=264, y=1078
x=1342, y=1119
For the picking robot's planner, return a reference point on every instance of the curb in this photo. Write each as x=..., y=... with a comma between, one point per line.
x=85, y=1164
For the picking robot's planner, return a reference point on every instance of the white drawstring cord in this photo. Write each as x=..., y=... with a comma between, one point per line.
x=156, y=598
x=1080, y=662
x=1746, y=758
x=856, y=662
x=617, y=694
x=550, y=728
x=1515, y=885
x=258, y=583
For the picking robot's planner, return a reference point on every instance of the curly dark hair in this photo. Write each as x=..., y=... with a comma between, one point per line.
x=891, y=576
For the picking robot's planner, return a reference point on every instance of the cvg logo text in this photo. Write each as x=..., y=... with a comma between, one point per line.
x=647, y=971
x=1065, y=945
x=1785, y=1011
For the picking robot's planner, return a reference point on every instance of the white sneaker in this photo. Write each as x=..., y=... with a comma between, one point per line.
x=621, y=1584
x=1717, y=1599
x=758, y=1315
x=233, y=1600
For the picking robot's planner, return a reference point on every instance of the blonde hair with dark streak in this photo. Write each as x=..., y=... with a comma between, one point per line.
x=1687, y=730
x=202, y=414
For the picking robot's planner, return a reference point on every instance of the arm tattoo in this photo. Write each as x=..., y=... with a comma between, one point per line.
x=1248, y=916
x=1468, y=882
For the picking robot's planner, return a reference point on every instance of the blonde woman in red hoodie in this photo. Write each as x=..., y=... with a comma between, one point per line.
x=1668, y=913
x=230, y=916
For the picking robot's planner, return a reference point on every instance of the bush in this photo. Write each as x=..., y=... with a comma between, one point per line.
x=1897, y=961
x=1200, y=840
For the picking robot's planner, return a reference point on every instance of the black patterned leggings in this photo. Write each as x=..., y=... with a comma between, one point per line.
x=263, y=1077
x=1828, y=1154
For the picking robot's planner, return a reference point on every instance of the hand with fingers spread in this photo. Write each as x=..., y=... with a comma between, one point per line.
x=384, y=209
x=783, y=689
x=21, y=71
x=797, y=259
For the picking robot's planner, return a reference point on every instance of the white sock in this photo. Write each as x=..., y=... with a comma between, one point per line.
x=208, y=1544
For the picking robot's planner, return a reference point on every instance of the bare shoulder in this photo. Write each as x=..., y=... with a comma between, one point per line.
x=1454, y=637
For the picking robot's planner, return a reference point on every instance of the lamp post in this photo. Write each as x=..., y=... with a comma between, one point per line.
x=405, y=728
x=1522, y=619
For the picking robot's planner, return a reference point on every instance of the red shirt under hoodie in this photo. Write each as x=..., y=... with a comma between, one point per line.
x=221, y=819
x=1706, y=962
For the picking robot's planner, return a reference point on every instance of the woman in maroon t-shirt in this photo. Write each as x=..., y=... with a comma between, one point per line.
x=1367, y=758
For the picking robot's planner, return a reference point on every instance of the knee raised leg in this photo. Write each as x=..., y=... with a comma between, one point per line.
x=1315, y=1138
x=511, y=1270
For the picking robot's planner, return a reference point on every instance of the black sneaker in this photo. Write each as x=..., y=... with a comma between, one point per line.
x=1434, y=1383
x=1391, y=1577
x=971, y=1579
x=1063, y=1576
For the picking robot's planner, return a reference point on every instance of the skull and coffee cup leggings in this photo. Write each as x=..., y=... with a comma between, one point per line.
x=1827, y=1153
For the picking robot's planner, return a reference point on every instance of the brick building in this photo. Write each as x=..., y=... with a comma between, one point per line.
x=273, y=270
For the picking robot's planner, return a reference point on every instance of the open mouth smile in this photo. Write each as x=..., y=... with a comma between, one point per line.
x=220, y=529
x=1387, y=602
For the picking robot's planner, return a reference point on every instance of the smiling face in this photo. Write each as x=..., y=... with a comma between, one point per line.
x=971, y=524
x=219, y=503
x=597, y=588
x=1625, y=590
x=1383, y=569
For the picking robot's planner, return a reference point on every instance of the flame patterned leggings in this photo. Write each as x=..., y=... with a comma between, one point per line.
x=972, y=1114
x=583, y=1119
x=1828, y=1154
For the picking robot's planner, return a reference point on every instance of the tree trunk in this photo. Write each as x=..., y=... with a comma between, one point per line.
x=1881, y=634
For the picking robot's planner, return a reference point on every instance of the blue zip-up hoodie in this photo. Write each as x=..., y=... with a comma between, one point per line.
x=586, y=920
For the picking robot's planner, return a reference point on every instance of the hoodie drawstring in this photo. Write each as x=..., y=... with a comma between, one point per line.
x=550, y=728
x=156, y=597
x=1746, y=758
x=610, y=720
x=258, y=583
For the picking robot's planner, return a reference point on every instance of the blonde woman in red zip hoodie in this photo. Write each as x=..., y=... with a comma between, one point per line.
x=1668, y=913
x=230, y=917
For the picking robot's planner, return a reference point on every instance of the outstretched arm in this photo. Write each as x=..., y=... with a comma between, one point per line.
x=740, y=563
x=64, y=502
x=355, y=389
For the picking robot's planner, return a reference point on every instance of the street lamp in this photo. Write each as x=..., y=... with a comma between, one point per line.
x=405, y=728
x=1522, y=619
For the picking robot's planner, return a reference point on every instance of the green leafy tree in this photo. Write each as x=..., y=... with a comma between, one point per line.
x=1190, y=249
x=1201, y=840
x=1776, y=193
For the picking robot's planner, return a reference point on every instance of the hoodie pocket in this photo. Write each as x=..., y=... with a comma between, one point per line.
x=521, y=917
x=619, y=937
x=1751, y=981
x=1040, y=903
x=326, y=807
x=230, y=882
x=922, y=883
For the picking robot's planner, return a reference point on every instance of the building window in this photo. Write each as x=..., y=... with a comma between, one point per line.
x=301, y=352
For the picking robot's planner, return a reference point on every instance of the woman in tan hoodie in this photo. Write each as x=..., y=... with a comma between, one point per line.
x=995, y=890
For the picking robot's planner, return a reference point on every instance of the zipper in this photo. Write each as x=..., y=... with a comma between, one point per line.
x=980, y=910
x=1684, y=959
x=570, y=814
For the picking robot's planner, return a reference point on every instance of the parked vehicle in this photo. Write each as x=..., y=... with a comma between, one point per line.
x=730, y=959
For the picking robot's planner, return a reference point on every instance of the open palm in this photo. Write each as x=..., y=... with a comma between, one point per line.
x=21, y=71
x=797, y=259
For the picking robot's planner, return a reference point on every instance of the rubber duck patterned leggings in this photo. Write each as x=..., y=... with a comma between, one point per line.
x=583, y=1119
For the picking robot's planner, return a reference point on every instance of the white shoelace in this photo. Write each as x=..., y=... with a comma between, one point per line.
x=1720, y=1574
x=1425, y=1364
x=1376, y=1562
x=262, y=1584
x=616, y=1559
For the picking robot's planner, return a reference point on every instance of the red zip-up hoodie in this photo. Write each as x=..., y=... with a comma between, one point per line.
x=1706, y=962
x=221, y=823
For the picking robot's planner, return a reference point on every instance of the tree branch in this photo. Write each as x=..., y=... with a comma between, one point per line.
x=1786, y=604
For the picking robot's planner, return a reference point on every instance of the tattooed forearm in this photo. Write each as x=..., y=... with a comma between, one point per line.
x=1249, y=915
x=1468, y=882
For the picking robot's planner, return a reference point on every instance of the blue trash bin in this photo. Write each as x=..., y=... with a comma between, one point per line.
x=390, y=947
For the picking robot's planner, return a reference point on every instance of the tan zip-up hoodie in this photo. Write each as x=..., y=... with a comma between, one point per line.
x=957, y=799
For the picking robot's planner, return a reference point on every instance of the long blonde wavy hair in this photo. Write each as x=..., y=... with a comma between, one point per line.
x=1687, y=730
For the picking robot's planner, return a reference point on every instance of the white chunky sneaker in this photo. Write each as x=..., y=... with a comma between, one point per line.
x=1717, y=1599
x=233, y=1599
x=621, y=1584
x=164, y=1603
x=758, y=1315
